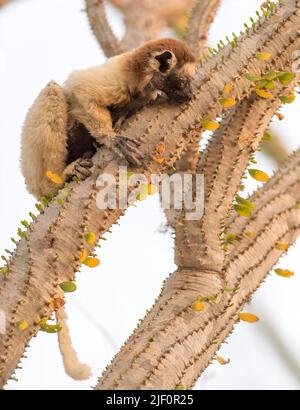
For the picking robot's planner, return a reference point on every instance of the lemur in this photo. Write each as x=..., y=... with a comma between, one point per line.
x=64, y=125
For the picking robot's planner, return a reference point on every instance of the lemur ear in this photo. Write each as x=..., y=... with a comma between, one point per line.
x=166, y=61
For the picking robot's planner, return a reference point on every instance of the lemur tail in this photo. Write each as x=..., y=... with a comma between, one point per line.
x=72, y=365
x=44, y=139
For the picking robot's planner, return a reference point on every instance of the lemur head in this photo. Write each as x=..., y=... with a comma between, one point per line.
x=171, y=63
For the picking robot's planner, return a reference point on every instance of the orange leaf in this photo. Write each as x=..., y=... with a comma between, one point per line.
x=248, y=317
x=284, y=273
x=56, y=179
x=198, y=306
x=222, y=361
x=259, y=175
x=83, y=255
x=159, y=160
x=92, y=262
x=57, y=303
x=210, y=125
x=228, y=102
x=282, y=246
x=160, y=148
x=228, y=88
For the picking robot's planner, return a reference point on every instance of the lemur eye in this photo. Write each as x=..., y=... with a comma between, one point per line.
x=164, y=61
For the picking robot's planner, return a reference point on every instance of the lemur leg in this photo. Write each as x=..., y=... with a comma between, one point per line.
x=98, y=122
x=44, y=140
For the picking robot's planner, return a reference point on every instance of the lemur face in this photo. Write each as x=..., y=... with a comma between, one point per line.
x=177, y=79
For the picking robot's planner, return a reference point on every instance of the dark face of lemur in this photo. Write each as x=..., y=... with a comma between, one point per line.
x=176, y=83
x=178, y=87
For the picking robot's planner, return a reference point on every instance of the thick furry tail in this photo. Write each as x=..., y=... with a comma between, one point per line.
x=75, y=369
x=44, y=140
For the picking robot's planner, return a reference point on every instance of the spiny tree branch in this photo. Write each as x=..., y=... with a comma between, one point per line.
x=145, y=19
x=200, y=21
x=101, y=28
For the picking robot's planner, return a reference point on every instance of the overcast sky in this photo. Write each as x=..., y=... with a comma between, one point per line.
x=41, y=40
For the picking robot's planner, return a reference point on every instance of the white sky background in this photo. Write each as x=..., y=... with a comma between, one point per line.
x=41, y=40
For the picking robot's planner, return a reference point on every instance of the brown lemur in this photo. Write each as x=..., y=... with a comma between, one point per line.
x=65, y=124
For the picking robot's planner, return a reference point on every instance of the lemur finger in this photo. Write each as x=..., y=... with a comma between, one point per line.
x=86, y=172
x=86, y=163
x=128, y=140
x=131, y=153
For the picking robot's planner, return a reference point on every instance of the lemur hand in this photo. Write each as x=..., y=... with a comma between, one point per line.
x=81, y=169
x=125, y=148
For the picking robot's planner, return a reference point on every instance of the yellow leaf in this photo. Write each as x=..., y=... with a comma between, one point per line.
x=180, y=387
x=282, y=246
x=141, y=197
x=264, y=56
x=90, y=237
x=22, y=325
x=284, y=273
x=259, y=175
x=210, y=125
x=222, y=361
x=83, y=255
x=198, y=306
x=250, y=234
x=228, y=102
x=264, y=94
x=159, y=160
x=92, y=262
x=56, y=179
x=228, y=88
x=242, y=210
x=288, y=99
x=248, y=317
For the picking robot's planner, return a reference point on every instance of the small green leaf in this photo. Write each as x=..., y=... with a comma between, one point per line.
x=68, y=287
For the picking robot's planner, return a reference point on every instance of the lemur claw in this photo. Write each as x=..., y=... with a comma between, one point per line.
x=82, y=169
x=127, y=149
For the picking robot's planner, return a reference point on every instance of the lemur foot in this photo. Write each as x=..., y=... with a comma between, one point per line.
x=82, y=169
x=127, y=148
